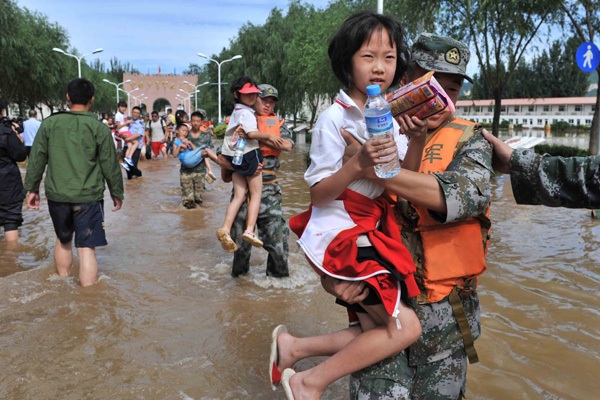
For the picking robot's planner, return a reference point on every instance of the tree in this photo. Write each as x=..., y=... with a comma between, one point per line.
x=584, y=19
x=500, y=32
x=550, y=74
x=31, y=72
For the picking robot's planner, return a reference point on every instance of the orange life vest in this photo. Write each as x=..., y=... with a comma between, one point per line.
x=453, y=252
x=269, y=124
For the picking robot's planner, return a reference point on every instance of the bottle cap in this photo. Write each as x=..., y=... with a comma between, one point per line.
x=373, y=90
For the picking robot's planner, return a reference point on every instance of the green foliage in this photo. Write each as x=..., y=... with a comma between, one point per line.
x=582, y=17
x=560, y=126
x=33, y=74
x=500, y=33
x=553, y=73
x=219, y=131
x=562, y=151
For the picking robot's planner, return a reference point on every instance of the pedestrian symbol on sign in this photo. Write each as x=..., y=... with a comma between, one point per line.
x=588, y=57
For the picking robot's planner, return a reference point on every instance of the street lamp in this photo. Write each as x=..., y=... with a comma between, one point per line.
x=117, y=85
x=137, y=99
x=189, y=94
x=219, y=73
x=181, y=98
x=196, y=91
x=129, y=94
x=77, y=58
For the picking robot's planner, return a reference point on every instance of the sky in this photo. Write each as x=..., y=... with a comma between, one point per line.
x=150, y=34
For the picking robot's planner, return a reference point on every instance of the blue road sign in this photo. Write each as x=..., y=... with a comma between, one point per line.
x=588, y=57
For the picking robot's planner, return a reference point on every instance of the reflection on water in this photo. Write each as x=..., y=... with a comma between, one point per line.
x=580, y=140
x=166, y=321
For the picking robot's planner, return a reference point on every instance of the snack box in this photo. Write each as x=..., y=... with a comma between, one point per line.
x=422, y=98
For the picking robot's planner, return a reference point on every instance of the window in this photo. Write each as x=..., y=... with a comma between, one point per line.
x=510, y=120
x=503, y=109
x=578, y=108
x=571, y=121
x=531, y=108
x=491, y=109
x=546, y=108
x=539, y=121
x=561, y=108
x=588, y=122
x=517, y=108
x=477, y=109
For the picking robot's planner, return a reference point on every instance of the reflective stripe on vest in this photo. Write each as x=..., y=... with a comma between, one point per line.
x=269, y=124
x=453, y=250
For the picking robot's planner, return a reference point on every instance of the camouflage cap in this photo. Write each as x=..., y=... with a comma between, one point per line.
x=268, y=91
x=441, y=54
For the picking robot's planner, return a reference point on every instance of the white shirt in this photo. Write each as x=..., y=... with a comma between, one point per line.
x=156, y=131
x=120, y=118
x=328, y=145
x=242, y=115
x=30, y=128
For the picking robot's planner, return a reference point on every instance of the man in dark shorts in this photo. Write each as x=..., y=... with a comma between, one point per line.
x=81, y=157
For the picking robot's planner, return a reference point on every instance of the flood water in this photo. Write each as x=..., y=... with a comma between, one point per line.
x=166, y=320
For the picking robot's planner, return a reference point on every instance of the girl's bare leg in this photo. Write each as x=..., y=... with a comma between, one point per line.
x=239, y=196
x=255, y=188
x=364, y=350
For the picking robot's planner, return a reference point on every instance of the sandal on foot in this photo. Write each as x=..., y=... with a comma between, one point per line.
x=210, y=177
x=251, y=238
x=226, y=242
x=274, y=371
x=285, y=382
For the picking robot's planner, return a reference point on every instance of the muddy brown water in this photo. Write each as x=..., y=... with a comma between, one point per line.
x=166, y=320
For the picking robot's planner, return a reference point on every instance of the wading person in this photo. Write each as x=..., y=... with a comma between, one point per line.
x=272, y=227
x=442, y=211
x=81, y=159
x=12, y=150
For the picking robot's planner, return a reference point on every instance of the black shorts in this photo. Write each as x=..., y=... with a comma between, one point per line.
x=86, y=220
x=11, y=215
x=249, y=164
x=369, y=253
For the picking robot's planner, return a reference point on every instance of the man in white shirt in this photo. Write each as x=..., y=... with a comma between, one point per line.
x=156, y=131
x=30, y=128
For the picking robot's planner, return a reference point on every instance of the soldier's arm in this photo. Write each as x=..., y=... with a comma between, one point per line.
x=572, y=182
x=421, y=189
x=466, y=182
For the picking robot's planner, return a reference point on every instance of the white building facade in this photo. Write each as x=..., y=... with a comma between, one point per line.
x=531, y=113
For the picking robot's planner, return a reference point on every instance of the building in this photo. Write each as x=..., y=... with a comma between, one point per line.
x=531, y=113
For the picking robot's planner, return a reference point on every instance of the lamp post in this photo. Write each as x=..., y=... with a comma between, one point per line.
x=129, y=94
x=181, y=98
x=77, y=58
x=196, y=91
x=117, y=85
x=189, y=94
x=137, y=100
x=219, y=74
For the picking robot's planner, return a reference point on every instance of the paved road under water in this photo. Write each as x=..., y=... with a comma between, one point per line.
x=166, y=320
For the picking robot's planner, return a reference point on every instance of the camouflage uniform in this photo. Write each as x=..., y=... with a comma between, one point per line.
x=273, y=230
x=192, y=179
x=435, y=367
x=555, y=181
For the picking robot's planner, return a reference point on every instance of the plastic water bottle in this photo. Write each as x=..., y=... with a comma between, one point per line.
x=238, y=155
x=378, y=117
